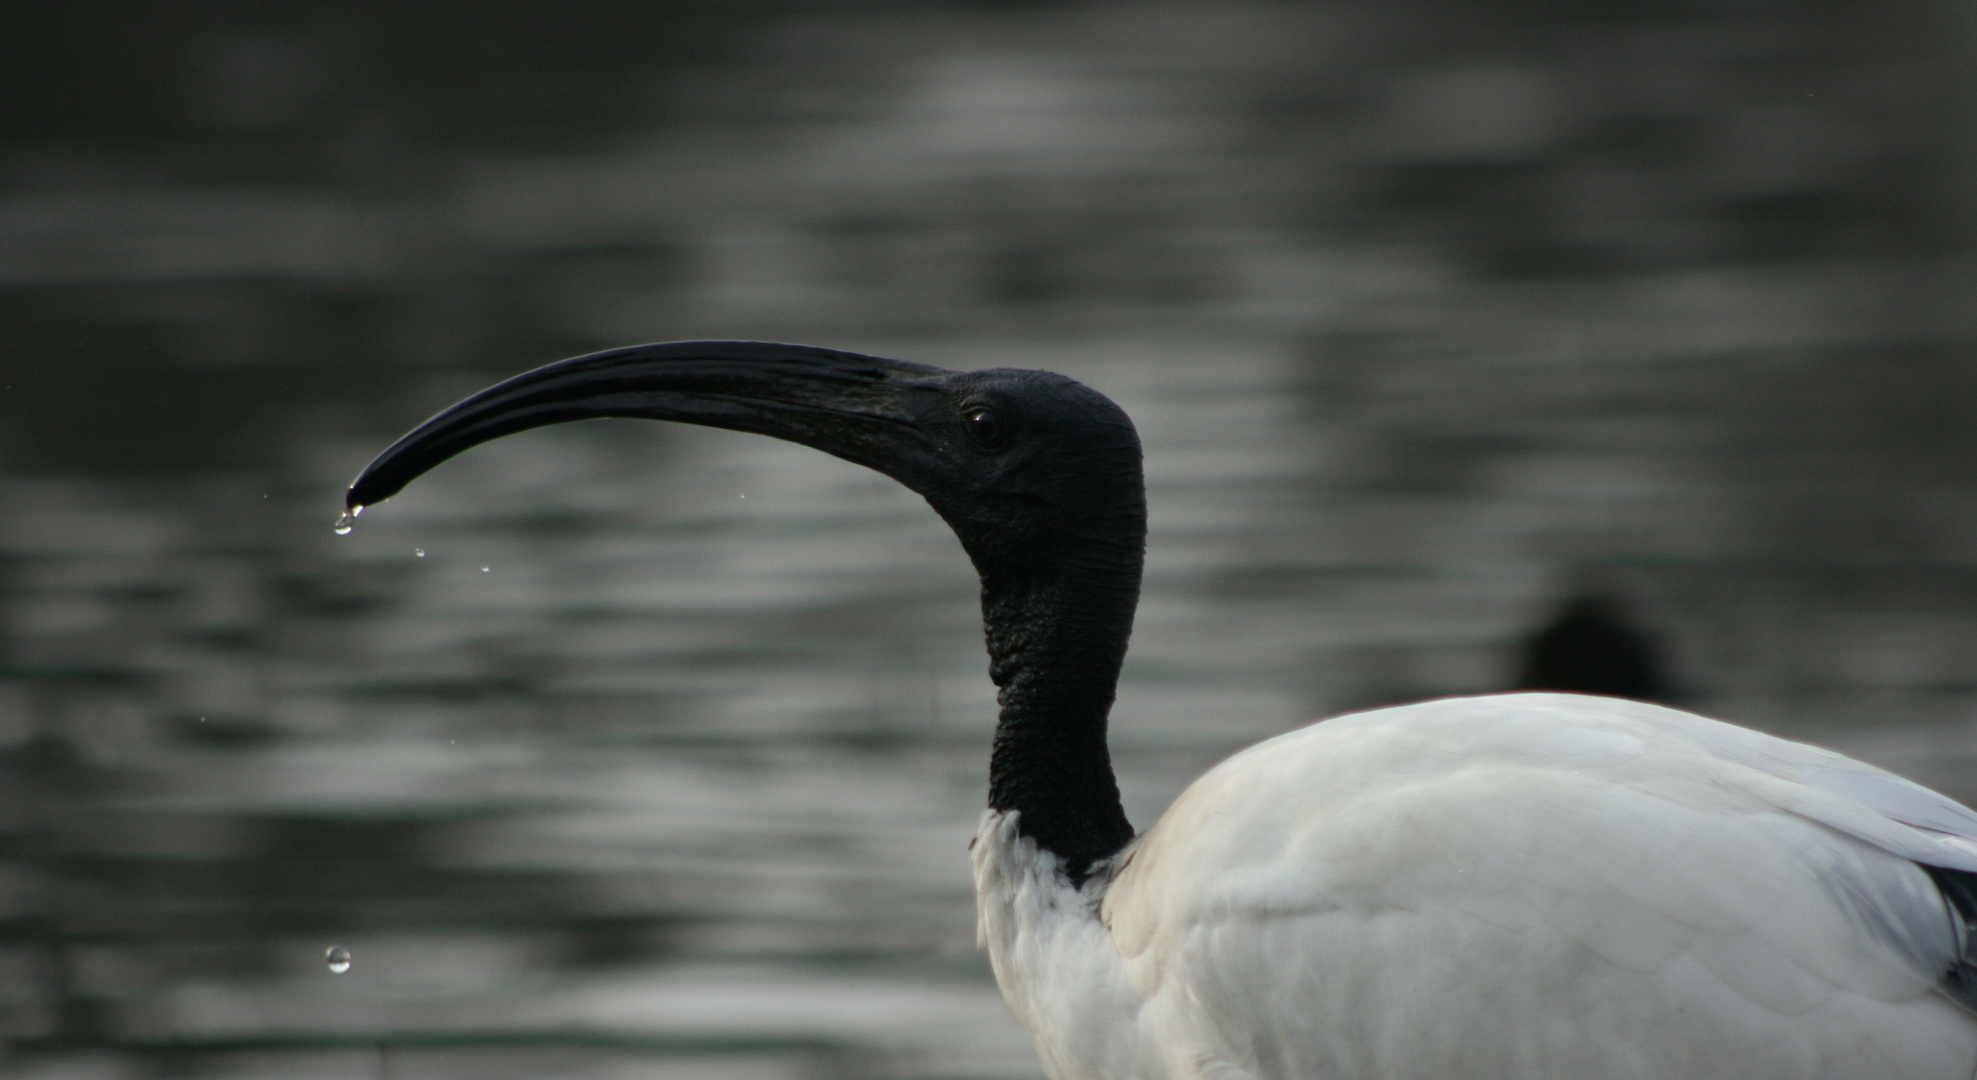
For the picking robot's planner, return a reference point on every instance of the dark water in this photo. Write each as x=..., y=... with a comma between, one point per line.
x=619, y=750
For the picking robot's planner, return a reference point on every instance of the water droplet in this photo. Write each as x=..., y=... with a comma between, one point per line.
x=744, y=495
x=485, y=568
x=419, y=552
x=344, y=524
x=338, y=959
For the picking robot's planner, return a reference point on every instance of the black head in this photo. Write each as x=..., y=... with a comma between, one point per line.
x=1030, y=464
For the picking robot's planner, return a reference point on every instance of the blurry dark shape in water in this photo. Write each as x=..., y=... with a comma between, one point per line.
x=1589, y=648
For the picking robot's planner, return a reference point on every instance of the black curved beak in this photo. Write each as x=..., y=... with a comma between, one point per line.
x=860, y=408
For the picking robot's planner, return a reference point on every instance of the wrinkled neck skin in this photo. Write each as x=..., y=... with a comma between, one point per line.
x=1057, y=635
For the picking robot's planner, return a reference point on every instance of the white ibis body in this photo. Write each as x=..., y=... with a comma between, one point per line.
x=1523, y=885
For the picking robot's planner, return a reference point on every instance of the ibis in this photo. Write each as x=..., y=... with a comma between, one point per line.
x=1527, y=885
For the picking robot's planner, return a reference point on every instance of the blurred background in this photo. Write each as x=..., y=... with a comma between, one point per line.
x=618, y=750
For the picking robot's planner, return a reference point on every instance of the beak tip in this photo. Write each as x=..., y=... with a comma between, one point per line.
x=364, y=491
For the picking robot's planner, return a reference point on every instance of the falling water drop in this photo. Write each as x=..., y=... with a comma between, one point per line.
x=485, y=568
x=338, y=959
x=419, y=552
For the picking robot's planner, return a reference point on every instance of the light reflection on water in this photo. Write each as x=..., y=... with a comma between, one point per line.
x=623, y=750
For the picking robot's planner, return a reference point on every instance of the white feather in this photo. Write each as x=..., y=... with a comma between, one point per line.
x=1527, y=886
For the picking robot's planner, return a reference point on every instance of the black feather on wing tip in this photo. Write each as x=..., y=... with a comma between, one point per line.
x=1959, y=889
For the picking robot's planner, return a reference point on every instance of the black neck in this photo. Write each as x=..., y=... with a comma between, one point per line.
x=1057, y=633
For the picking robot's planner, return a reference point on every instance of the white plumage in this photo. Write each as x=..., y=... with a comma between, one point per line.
x=1516, y=886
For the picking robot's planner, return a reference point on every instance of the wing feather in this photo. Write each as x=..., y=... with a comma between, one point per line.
x=1553, y=885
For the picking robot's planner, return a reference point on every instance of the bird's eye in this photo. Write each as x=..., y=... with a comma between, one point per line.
x=986, y=428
